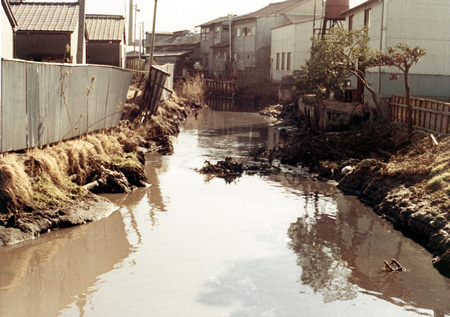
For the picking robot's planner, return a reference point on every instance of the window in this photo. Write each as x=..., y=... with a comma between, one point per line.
x=204, y=35
x=278, y=61
x=367, y=19
x=350, y=23
x=237, y=32
x=217, y=32
x=283, y=60
x=288, y=62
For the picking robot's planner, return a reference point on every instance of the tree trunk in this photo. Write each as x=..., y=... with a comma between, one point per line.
x=409, y=109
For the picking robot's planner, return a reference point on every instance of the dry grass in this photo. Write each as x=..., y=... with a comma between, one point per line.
x=193, y=90
x=42, y=177
x=16, y=189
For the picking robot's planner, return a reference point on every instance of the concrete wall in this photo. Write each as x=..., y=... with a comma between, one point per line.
x=282, y=42
x=6, y=36
x=244, y=47
x=294, y=39
x=104, y=53
x=264, y=27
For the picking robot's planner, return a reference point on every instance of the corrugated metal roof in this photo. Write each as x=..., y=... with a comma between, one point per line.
x=105, y=27
x=273, y=8
x=169, y=54
x=46, y=16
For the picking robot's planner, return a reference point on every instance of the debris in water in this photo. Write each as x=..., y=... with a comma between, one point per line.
x=230, y=169
x=395, y=266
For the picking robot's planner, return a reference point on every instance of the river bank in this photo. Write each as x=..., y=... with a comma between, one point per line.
x=54, y=187
x=407, y=182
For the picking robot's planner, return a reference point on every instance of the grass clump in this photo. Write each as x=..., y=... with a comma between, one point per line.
x=193, y=89
x=439, y=182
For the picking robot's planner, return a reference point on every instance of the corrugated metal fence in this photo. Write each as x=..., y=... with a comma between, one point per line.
x=43, y=103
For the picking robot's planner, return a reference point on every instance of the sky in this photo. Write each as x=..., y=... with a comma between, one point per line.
x=175, y=15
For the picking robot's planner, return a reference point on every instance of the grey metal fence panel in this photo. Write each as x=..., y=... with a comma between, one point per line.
x=44, y=103
x=14, y=97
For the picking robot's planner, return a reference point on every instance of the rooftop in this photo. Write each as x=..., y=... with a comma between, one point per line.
x=46, y=16
x=357, y=7
x=189, y=39
x=273, y=9
x=100, y=27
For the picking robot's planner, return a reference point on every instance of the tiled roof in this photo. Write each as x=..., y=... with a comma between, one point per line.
x=274, y=8
x=46, y=16
x=218, y=20
x=105, y=27
x=189, y=39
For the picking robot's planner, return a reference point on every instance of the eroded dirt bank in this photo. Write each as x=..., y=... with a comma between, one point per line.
x=50, y=188
x=406, y=182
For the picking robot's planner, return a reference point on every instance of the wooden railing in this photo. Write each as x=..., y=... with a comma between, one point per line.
x=430, y=115
x=223, y=88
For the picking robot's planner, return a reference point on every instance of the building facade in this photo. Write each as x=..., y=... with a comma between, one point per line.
x=9, y=24
x=423, y=23
x=46, y=31
x=105, y=43
x=214, y=45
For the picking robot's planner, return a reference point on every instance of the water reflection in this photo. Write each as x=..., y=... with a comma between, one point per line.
x=52, y=271
x=341, y=254
x=231, y=104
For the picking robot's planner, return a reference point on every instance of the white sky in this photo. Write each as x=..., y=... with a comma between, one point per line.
x=175, y=15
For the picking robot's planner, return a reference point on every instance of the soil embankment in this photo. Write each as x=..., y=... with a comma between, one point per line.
x=50, y=188
x=406, y=181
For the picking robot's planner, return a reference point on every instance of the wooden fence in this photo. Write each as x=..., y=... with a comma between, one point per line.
x=223, y=88
x=430, y=115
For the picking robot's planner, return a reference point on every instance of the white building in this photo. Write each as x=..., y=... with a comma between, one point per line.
x=9, y=24
x=291, y=47
x=424, y=23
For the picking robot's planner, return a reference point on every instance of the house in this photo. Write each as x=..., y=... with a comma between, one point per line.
x=291, y=43
x=251, y=45
x=9, y=25
x=105, y=40
x=422, y=23
x=181, y=49
x=47, y=31
x=214, y=45
x=159, y=36
x=291, y=47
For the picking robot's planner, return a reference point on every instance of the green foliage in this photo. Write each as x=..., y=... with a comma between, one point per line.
x=318, y=77
x=401, y=56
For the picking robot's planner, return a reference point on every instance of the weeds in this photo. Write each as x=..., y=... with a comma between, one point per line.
x=193, y=89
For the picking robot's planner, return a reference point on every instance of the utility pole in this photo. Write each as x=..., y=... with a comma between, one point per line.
x=152, y=49
x=141, y=44
x=81, y=33
x=130, y=23
x=136, y=10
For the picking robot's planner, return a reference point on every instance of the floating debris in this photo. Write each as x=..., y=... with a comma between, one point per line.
x=395, y=266
x=230, y=169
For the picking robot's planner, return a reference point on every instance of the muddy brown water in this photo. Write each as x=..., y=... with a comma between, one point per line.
x=189, y=245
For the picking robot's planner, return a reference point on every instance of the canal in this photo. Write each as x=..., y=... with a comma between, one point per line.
x=192, y=245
